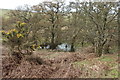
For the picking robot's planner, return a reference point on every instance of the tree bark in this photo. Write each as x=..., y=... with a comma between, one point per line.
x=72, y=48
x=99, y=51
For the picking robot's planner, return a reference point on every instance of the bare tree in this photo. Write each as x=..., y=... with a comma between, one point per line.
x=102, y=15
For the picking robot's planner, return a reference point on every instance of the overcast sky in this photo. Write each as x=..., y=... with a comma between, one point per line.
x=12, y=4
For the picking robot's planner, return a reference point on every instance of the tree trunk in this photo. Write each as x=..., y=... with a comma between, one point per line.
x=99, y=50
x=107, y=49
x=119, y=28
x=53, y=37
x=72, y=48
x=82, y=43
x=52, y=40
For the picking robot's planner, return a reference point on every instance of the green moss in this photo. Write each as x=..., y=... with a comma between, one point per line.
x=112, y=64
x=118, y=55
x=114, y=49
x=113, y=73
x=80, y=63
x=106, y=58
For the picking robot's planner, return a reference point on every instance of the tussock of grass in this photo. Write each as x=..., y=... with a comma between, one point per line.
x=101, y=67
x=113, y=73
x=80, y=63
x=107, y=58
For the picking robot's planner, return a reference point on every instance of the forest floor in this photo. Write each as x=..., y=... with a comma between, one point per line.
x=48, y=64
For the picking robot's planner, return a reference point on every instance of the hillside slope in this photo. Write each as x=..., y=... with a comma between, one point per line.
x=44, y=64
x=3, y=12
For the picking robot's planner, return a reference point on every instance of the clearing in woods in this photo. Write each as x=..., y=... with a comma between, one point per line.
x=44, y=64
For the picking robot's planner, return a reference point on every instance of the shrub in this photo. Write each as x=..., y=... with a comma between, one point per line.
x=17, y=38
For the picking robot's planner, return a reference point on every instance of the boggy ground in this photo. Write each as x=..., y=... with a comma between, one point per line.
x=44, y=64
